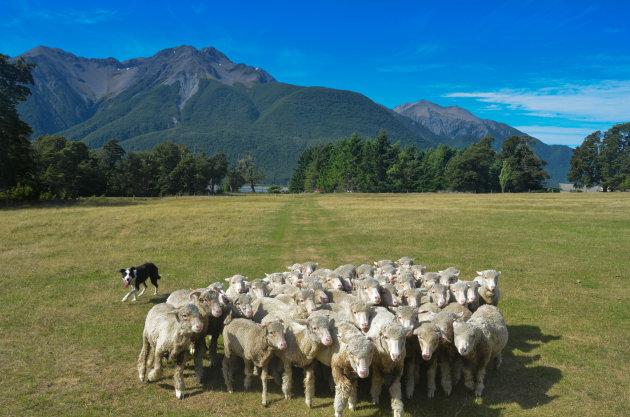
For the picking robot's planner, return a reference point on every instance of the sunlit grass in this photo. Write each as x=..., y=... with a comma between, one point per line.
x=68, y=345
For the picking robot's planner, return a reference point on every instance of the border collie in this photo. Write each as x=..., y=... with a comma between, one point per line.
x=137, y=275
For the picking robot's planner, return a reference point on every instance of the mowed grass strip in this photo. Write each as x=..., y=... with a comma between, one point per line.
x=69, y=346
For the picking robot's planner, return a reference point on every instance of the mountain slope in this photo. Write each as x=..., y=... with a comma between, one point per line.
x=458, y=127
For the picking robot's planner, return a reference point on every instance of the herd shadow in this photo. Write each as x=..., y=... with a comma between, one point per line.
x=519, y=381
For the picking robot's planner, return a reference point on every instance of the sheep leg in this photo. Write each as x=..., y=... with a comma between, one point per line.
x=213, y=349
x=431, y=387
x=410, y=382
x=227, y=374
x=445, y=375
x=395, y=393
x=200, y=350
x=142, y=360
x=287, y=380
x=178, y=376
x=342, y=390
x=377, y=385
x=457, y=370
x=352, y=399
x=156, y=372
x=498, y=361
x=468, y=377
x=248, y=374
x=481, y=373
x=263, y=377
x=309, y=385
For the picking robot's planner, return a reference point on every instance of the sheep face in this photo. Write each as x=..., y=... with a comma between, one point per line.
x=365, y=271
x=208, y=302
x=276, y=335
x=490, y=278
x=429, y=279
x=439, y=295
x=308, y=268
x=418, y=271
x=259, y=288
x=464, y=338
x=407, y=317
x=405, y=263
x=459, y=291
x=429, y=339
x=293, y=277
x=360, y=353
x=392, y=337
x=472, y=294
x=320, y=327
x=360, y=315
x=238, y=284
x=188, y=318
x=305, y=299
x=405, y=281
x=412, y=297
x=388, y=296
x=243, y=304
x=370, y=289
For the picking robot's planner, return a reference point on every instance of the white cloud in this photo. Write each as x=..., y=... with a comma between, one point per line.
x=605, y=102
x=554, y=135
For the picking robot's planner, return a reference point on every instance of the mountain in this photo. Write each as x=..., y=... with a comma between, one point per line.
x=459, y=127
x=203, y=100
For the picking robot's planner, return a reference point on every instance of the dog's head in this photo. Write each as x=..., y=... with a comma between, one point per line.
x=128, y=275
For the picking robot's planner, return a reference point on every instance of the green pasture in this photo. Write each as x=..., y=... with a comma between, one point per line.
x=68, y=345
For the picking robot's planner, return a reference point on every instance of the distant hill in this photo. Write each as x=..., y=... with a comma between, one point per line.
x=202, y=99
x=458, y=127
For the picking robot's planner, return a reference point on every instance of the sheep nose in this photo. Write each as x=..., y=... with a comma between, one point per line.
x=283, y=345
x=249, y=313
x=217, y=312
x=328, y=341
x=377, y=299
x=426, y=356
x=395, y=357
x=462, y=302
x=364, y=326
x=363, y=374
x=395, y=303
x=340, y=286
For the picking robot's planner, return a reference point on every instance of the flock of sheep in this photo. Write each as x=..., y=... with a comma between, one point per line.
x=389, y=320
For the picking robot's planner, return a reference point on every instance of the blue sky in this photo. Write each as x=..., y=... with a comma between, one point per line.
x=557, y=70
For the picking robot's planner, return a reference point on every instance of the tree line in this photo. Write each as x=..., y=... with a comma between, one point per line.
x=377, y=165
x=603, y=159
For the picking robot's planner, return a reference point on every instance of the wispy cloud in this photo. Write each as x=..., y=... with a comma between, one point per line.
x=554, y=135
x=607, y=101
x=84, y=17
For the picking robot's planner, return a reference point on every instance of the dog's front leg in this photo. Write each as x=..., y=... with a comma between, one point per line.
x=133, y=291
x=141, y=292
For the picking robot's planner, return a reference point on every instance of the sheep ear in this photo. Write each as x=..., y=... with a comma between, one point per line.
x=280, y=321
x=228, y=279
x=416, y=330
x=392, y=308
x=303, y=322
x=459, y=315
x=298, y=282
x=195, y=293
x=498, y=274
x=479, y=273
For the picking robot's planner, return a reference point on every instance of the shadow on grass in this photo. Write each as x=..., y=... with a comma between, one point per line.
x=159, y=299
x=519, y=381
x=82, y=202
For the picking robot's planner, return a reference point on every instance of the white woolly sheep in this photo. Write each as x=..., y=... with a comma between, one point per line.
x=167, y=334
x=489, y=287
x=480, y=340
x=258, y=288
x=255, y=344
x=368, y=291
x=239, y=307
x=238, y=285
x=365, y=270
x=350, y=308
x=405, y=263
x=413, y=296
x=389, y=296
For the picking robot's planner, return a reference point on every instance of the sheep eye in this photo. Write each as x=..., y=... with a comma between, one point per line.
x=184, y=316
x=315, y=328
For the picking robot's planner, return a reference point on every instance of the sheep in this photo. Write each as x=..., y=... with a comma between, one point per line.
x=349, y=358
x=238, y=285
x=219, y=287
x=350, y=308
x=306, y=268
x=425, y=311
x=329, y=279
x=438, y=294
x=258, y=288
x=408, y=317
x=292, y=277
x=413, y=296
x=458, y=292
x=167, y=333
x=305, y=337
x=207, y=301
x=489, y=287
x=365, y=271
x=367, y=290
x=418, y=271
x=430, y=278
x=480, y=340
x=240, y=306
x=404, y=280
x=436, y=344
x=389, y=296
x=384, y=262
x=472, y=295
x=313, y=284
x=267, y=305
x=405, y=263
x=461, y=312
x=348, y=273
x=255, y=343
x=449, y=276
x=303, y=299
x=389, y=338
x=389, y=271
x=275, y=279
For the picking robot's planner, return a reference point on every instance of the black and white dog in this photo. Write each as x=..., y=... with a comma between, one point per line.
x=137, y=275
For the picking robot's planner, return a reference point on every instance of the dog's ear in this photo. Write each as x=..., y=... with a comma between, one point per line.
x=122, y=270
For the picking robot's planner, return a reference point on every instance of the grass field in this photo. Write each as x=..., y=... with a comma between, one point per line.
x=68, y=346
